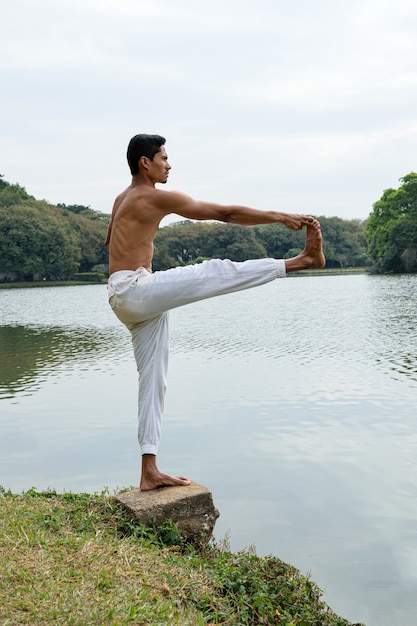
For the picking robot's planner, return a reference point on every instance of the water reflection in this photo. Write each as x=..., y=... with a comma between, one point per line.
x=29, y=355
x=393, y=309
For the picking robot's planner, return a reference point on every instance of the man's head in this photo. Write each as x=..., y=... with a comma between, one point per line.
x=142, y=146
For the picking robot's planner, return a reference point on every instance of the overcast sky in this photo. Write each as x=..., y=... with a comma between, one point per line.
x=305, y=106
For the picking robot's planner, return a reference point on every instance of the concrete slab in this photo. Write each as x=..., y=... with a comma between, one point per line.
x=191, y=507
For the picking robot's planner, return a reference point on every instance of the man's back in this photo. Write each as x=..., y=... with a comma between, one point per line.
x=134, y=223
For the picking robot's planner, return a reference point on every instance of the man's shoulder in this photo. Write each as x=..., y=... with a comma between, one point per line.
x=142, y=192
x=130, y=197
x=142, y=205
x=144, y=202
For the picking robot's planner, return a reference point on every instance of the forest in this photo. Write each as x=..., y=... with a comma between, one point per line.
x=40, y=241
x=43, y=242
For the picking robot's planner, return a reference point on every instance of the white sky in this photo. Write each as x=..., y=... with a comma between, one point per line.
x=305, y=106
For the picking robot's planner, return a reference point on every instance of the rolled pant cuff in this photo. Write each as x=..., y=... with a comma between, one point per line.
x=149, y=448
x=282, y=270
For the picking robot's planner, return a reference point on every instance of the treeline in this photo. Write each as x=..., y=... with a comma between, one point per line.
x=40, y=241
x=187, y=242
x=385, y=243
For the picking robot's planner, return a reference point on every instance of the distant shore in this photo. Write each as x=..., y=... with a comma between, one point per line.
x=49, y=283
x=334, y=271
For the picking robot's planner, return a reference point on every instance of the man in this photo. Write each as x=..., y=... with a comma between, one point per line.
x=141, y=299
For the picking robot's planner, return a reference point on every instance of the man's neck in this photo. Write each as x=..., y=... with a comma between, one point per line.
x=138, y=180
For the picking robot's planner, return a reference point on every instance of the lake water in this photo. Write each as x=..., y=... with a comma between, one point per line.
x=294, y=403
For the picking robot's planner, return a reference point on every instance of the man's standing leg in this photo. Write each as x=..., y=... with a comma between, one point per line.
x=150, y=341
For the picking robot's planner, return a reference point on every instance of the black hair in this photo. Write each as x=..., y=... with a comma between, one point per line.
x=142, y=145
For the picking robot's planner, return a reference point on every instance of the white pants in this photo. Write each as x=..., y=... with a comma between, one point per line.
x=141, y=301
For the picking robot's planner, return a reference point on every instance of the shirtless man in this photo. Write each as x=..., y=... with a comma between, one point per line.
x=141, y=299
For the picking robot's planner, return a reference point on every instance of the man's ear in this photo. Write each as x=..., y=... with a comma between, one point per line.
x=144, y=162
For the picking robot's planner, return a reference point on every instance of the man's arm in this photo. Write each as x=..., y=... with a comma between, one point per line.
x=175, y=202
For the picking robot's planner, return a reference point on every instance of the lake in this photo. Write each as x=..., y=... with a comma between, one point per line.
x=294, y=403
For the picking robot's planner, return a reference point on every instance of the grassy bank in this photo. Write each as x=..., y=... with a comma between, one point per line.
x=80, y=560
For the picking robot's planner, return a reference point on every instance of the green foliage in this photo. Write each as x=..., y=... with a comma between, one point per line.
x=344, y=242
x=39, y=241
x=187, y=242
x=265, y=591
x=190, y=242
x=89, y=277
x=292, y=252
x=12, y=194
x=278, y=240
x=85, y=211
x=36, y=243
x=391, y=229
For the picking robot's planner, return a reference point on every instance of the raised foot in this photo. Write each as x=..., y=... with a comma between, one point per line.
x=312, y=256
x=313, y=250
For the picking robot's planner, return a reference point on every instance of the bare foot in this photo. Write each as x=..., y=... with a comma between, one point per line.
x=152, y=478
x=163, y=480
x=312, y=256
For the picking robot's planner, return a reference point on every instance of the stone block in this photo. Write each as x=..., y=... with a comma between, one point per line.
x=190, y=507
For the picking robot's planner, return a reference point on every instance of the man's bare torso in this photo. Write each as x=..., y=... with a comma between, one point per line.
x=134, y=224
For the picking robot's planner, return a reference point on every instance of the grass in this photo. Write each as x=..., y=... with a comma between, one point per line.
x=79, y=559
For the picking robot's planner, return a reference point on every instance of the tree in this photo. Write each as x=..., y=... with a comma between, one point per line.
x=85, y=211
x=91, y=234
x=391, y=229
x=185, y=242
x=344, y=242
x=35, y=244
x=278, y=240
x=12, y=194
x=41, y=241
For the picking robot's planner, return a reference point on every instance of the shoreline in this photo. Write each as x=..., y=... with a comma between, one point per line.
x=80, y=559
x=71, y=283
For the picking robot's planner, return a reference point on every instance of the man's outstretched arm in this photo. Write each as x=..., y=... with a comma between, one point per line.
x=185, y=206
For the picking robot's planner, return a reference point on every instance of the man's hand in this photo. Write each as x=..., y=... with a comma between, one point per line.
x=294, y=221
